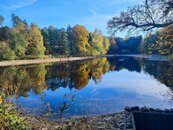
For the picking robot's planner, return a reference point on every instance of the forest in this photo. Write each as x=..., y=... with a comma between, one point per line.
x=23, y=41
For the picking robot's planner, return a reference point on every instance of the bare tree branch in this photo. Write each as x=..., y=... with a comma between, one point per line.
x=152, y=14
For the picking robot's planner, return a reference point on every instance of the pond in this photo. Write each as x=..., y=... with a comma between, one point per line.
x=89, y=87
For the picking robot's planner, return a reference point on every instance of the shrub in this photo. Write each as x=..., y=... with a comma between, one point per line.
x=10, y=118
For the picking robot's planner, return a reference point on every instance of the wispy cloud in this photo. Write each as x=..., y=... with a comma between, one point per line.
x=96, y=20
x=101, y=12
x=16, y=4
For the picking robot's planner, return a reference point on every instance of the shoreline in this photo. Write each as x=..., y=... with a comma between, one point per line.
x=66, y=59
x=116, y=121
x=108, y=121
x=47, y=60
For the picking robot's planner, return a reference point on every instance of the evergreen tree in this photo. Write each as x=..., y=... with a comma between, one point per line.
x=71, y=43
x=62, y=42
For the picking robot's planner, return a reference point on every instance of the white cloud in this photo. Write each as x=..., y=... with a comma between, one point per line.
x=13, y=5
x=140, y=84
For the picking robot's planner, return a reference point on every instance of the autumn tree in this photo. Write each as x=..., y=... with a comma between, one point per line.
x=81, y=39
x=106, y=44
x=113, y=46
x=97, y=42
x=35, y=47
x=159, y=42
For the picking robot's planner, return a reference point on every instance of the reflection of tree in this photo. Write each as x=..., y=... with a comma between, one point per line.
x=20, y=80
x=99, y=68
x=162, y=71
x=81, y=76
x=7, y=81
x=76, y=74
x=37, y=75
x=23, y=82
x=129, y=63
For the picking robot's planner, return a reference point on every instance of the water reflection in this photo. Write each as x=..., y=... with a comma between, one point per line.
x=88, y=87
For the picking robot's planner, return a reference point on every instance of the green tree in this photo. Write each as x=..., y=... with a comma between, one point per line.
x=19, y=44
x=46, y=41
x=62, y=42
x=5, y=33
x=15, y=20
x=6, y=53
x=71, y=42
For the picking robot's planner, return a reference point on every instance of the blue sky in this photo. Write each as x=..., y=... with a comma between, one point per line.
x=60, y=13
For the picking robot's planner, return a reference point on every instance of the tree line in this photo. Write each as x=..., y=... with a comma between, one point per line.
x=75, y=40
x=130, y=45
x=23, y=41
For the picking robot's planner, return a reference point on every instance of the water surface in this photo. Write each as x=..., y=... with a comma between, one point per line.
x=90, y=87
